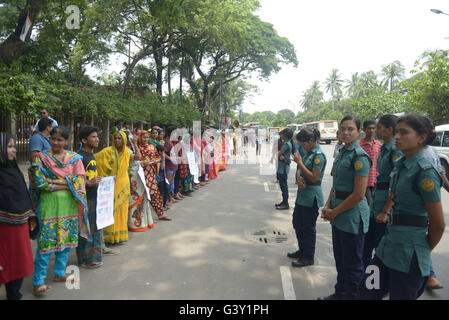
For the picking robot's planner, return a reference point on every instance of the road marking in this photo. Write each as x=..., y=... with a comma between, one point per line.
x=287, y=284
x=265, y=184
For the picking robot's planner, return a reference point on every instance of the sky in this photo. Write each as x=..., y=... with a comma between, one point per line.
x=350, y=35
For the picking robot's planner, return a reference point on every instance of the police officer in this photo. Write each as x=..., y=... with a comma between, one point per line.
x=348, y=210
x=309, y=197
x=416, y=225
x=385, y=130
x=284, y=167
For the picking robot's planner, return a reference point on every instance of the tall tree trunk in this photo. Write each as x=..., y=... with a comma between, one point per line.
x=180, y=77
x=169, y=74
x=12, y=48
x=157, y=55
x=142, y=54
x=206, y=103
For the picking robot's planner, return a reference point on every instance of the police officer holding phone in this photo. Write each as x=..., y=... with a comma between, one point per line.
x=309, y=197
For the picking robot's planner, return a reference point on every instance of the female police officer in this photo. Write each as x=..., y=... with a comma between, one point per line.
x=385, y=130
x=402, y=259
x=284, y=167
x=309, y=197
x=348, y=211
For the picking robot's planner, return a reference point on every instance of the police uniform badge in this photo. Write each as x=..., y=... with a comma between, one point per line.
x=427, y=185
x=358, y=165
x=317, y=161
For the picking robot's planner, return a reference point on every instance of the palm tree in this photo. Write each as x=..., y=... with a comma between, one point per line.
x=312, y=96
x=334, y=84
x=393, y=73
x=368, y=79
x=353, y=84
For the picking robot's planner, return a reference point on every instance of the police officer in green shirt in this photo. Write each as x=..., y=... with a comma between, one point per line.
x=348, y=211
x=385, y=130
x=309, y=197
x=401, y=263
x=283, y=170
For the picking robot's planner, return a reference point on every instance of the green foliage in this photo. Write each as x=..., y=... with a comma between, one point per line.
x=24, y=93
x=428, y=90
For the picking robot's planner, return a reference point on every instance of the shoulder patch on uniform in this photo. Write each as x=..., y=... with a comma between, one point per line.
x=394, y=158
x=317, y=160
x=358, y=165
x=427, y=185
x=425, y=164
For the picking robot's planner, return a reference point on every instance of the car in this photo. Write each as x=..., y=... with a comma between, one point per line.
x=441, y=144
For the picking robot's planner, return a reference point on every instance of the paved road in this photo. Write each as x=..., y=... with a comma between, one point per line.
x=226, y=243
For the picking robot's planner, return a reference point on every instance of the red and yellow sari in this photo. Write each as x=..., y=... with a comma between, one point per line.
x=150, y=153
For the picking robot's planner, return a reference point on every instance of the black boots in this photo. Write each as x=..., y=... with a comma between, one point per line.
x=282, y=206
x=303, y=262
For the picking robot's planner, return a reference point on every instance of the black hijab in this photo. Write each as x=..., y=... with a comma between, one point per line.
x=15, y=203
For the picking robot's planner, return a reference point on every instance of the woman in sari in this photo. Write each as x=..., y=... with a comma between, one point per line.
x=140, y=212
x=114, y=161
x=185, y=177
x=16, y=219
x=58, y=176
x=223, y=156
x=150, y=163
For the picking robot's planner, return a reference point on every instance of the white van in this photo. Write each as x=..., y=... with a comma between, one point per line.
x=441, y=144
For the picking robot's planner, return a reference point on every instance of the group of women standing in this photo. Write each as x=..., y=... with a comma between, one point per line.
x=403, y=225
x=57, y=213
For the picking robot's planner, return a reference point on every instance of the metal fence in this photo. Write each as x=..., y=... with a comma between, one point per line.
x=22, y=130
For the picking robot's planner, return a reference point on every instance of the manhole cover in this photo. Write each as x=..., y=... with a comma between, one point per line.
x=269, y=235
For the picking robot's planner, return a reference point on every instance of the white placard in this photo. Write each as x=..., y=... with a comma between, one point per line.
x=141, y=174
x=193, y=168
x=105, y=202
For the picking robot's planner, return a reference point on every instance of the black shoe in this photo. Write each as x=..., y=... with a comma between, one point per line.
x=332, y=297
x=283, y=206
x=278, y=204
x=303, y=262
x=294, y=255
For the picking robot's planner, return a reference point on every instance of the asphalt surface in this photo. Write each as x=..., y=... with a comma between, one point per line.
x=226, y=243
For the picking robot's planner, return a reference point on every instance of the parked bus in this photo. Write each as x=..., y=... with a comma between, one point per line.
x=327, y=128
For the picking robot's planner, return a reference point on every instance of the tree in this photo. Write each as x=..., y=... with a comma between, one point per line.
x=13, y=47
x=428, y=90
x=393, y=73
x=353, y=85
x=288, y=115
x=334, y=84
x=377, y=101
x=312, y=97
x=233, y=43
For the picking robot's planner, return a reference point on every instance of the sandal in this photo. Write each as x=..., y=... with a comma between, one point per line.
x=41, y=290
x=110, y=252
x=165, y=217
x=61, y=279
x=92, y=265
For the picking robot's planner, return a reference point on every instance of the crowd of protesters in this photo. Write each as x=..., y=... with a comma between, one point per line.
x=58, y=208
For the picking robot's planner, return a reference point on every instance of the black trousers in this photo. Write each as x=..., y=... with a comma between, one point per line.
x=283, y=184
x=13, y=289
x=304, y=223
x=400, y=285
x=348, y=252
